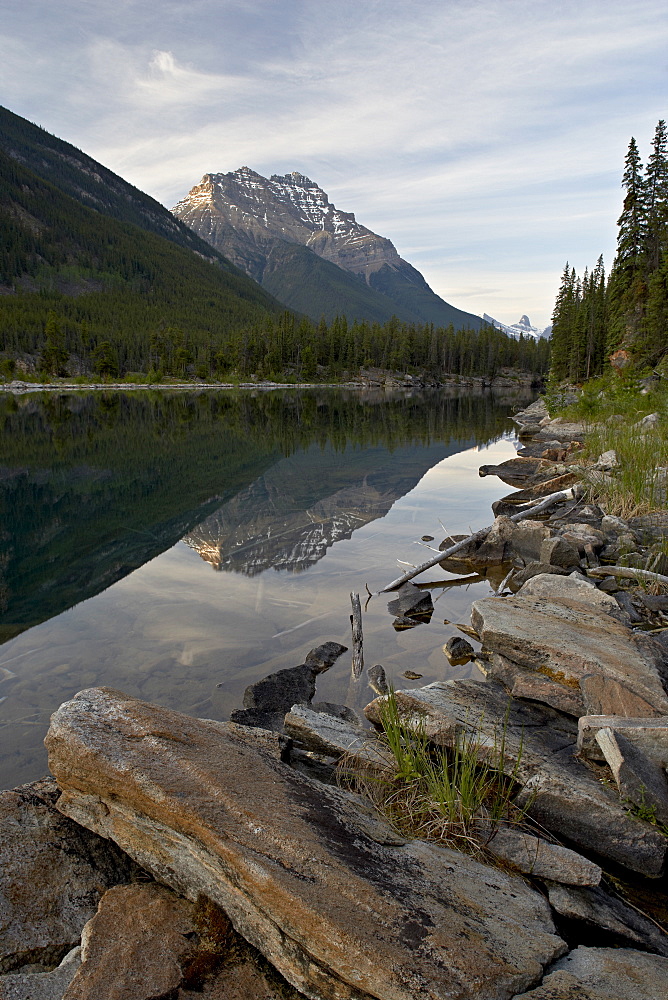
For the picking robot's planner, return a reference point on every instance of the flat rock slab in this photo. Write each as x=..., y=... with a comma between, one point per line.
x=567, y=641
x=538, y=857
x=650, y=735
x=339, y=915
x=52, y=875
x=604, y=974
x=560, y=792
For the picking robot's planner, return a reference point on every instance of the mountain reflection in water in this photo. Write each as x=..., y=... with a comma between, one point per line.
x=94, y=487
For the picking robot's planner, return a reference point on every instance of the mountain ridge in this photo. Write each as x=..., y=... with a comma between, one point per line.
x=254, y=220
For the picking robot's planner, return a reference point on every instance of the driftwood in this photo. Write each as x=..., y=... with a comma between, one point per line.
x=629, y=573
x=356, y=622
x=538, y=508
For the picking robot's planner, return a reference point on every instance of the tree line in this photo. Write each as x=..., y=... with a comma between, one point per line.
x=593, y=317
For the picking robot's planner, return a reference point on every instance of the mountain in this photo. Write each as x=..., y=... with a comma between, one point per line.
x=118, y=286
x=291, y=514
x=283, y=229
x=523, y=327
x=93, y=185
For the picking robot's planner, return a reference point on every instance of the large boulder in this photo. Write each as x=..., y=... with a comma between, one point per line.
x=52, y=875
x=341, y=916
x=568, y=642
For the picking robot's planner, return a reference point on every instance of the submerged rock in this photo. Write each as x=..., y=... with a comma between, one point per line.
x=342, y=917
x=266, y=701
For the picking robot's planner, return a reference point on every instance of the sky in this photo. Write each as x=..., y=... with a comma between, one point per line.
x=485, y=138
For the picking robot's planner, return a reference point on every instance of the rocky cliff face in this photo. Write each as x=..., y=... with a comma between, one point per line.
x=242, y=213
x=264, y=226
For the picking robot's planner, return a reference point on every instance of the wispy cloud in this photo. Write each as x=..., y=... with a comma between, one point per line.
x=484, y=138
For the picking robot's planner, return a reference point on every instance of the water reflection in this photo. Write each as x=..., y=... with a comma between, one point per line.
x=93, y=489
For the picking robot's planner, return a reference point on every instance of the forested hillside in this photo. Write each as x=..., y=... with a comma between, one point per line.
x=628, y=313
x=84, y=290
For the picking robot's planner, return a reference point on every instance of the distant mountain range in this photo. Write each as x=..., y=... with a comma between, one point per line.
x=523, y=327
x=285, y=233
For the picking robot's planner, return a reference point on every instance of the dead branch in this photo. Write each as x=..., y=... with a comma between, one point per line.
x=356, y=622
x=538, y=508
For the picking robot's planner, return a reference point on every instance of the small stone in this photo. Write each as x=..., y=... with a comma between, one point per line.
x=457, y=650
x=410, y=675
x=411, y=602
x=593, y=908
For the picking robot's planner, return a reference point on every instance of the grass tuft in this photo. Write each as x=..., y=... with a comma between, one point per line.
x=456, y=795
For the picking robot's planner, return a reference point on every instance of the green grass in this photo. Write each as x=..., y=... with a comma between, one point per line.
x=610, y=408
x=456, y=795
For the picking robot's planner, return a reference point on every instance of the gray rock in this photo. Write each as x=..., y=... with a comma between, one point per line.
x=338, y=711
x=655, y=602
x=608, y=460
x=623, y=599
x=608, y=696
x=595, y=909
x=604, y=974
x=581, y=534
x=266, y=701
x=411, y=602
x=522, y=472
x=649, y=735
x=322, y=657
x=559, y=791
x=558, y=552
x=458, y=650
x=614, y=525
x=339, y=915
x=52, y=874
x=650, y=421
x=328, y=735
x=535, y=856
x=571, y=588
x=639, y=779
x=534, y=569
x=521, y=682
x=41, y=986
x=562, y=431
x=567, y=641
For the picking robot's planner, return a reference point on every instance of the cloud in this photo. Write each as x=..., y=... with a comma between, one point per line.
x=470, y=131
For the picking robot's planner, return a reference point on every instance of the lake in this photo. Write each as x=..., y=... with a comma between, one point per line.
x=179, y=546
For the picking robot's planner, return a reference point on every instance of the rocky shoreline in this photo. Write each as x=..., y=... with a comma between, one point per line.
x=171, y=857
x=372, y=378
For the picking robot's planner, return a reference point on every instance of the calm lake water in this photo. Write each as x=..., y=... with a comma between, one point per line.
x=179, y=546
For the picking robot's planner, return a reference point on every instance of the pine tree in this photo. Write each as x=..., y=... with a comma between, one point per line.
x=656, y=198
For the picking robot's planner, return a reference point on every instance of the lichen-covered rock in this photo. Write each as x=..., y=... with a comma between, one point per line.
x=340, y=915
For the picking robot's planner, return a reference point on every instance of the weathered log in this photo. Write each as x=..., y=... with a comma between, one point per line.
x=629, y=573
x=538, y=508
x=356, y=622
